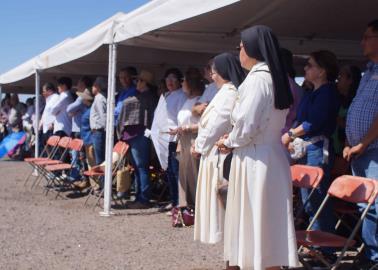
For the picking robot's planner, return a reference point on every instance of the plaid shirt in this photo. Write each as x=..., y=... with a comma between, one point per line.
x=364, y=108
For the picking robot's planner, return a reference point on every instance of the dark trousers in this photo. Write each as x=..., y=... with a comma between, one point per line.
x=43, y=141
x=173, y=173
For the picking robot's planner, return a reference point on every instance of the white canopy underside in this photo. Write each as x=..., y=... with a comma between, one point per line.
x=182, y=33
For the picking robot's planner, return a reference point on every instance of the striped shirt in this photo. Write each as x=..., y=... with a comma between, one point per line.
x=364, y=108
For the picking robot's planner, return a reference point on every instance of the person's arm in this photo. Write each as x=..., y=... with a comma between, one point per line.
x=102, y=110
x=75, y=107
x=358, y=149
x=250, y=111
x=60, y=105
x=199, y=108
x=217, y=124
x=317, y=116
x=298, y=132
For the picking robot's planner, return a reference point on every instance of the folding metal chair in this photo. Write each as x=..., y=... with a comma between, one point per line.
x=56, y=158
x=47, y=153
x=351, y=189
x=120, y=148
x=304, y=176
x=51, y=170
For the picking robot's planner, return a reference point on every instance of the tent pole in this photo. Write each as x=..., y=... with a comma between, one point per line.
x=110, y=130
x=37, y=110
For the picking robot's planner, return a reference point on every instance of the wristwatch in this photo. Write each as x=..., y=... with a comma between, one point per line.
x=291, y=134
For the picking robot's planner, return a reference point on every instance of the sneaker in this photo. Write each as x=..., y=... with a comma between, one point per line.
x=166, y=208
x=81, y=184
x=121, y=195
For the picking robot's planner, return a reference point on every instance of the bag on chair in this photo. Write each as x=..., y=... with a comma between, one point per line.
x=124, y=180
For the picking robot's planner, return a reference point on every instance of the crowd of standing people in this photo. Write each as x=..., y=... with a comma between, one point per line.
x=235, y=126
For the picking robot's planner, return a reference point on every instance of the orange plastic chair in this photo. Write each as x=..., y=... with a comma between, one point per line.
x=121, y=149
x=304, y=176
x=47, y=153
x=348, y=188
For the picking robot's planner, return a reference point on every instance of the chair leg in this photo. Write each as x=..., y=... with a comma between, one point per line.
x=89, y=195
x=27, y=179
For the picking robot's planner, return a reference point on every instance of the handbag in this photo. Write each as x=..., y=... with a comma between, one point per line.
x=124, y=179
x=299, y=147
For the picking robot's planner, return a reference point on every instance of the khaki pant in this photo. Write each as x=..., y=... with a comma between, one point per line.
x=188, y=171
x=91, y=161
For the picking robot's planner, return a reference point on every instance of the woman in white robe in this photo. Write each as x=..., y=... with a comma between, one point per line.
x=227, y=74
x=259, y=229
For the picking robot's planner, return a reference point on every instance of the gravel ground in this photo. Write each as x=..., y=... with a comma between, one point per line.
x=41, y=232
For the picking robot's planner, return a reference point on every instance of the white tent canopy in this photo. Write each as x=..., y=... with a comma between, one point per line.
x=186, y=32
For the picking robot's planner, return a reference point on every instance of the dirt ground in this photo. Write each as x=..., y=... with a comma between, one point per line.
x=41, y=232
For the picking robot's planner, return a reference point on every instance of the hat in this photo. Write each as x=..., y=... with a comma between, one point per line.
x=85, y=95
x=146, y=76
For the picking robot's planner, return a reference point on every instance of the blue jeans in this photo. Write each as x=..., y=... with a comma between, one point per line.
x=75, y=160
x=140, y=153
x=366, y=165
x=173, y=173
x=98, y=142
x=326, y=221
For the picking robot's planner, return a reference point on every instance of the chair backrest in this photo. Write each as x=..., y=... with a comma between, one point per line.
x=305, y=176
x=53, y=141
x=354, y=189
x=76, y=144
x=121, y=148
x=64, y=142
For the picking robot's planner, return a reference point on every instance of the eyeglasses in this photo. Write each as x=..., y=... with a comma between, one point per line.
x=367, y=37
x=140, y=80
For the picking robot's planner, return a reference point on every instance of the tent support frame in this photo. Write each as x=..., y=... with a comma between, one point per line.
x=110, y=130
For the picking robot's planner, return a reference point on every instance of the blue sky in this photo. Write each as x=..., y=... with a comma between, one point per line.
x=28, y=28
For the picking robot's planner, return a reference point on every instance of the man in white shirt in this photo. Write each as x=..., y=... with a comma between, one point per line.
x=208, y=95
x=47, y=120
x=63, y=121
x=97, y=119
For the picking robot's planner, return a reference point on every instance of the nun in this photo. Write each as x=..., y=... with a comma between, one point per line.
x=227, y=74
x=259, y=229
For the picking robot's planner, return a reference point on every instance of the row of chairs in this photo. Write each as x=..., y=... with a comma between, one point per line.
x=345, y=190
x=51, y=166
